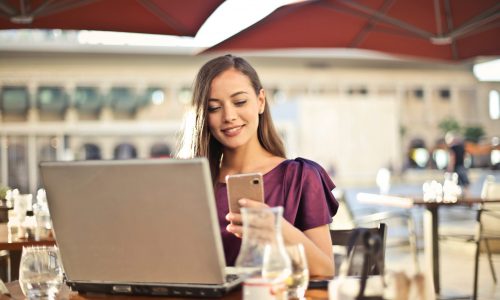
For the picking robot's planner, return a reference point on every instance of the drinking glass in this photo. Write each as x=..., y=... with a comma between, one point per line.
x=298, y=281
x=40, y=272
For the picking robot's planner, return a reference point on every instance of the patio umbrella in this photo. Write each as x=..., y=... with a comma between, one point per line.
x=173, y=17
x=435, y=29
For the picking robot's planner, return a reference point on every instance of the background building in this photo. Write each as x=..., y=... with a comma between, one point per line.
x=354, y=116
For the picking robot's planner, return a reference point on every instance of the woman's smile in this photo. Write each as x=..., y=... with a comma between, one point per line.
x=232, y=131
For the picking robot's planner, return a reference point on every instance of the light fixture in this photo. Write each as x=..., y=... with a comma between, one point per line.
x=487, y=71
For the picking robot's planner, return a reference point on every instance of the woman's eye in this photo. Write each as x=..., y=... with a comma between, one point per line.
x=240, y=102
x=213, y=108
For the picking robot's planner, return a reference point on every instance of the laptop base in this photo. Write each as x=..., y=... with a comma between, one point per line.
x=206, y=291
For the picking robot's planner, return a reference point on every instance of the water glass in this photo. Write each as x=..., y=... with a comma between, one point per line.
x=297, y=283
x=40, y=272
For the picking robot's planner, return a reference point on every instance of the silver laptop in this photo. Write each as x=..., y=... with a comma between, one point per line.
x=144, y=227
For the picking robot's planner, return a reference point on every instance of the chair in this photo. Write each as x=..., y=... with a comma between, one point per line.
x=341, y=237
x=5, y=262
x=487, y=222
x=404, y=215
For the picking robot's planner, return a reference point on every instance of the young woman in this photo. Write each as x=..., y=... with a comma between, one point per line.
x=234, y=130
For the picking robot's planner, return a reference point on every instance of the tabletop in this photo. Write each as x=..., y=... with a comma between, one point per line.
x=410, y=201
x=18, y=244
x=16, y=293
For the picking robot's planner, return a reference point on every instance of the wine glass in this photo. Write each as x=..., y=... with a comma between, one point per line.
x=40, y=272
x=299, y=279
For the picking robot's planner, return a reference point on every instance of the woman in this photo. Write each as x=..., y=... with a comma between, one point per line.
x=235, y=132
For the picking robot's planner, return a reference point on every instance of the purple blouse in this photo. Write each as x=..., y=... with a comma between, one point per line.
x=301, y=186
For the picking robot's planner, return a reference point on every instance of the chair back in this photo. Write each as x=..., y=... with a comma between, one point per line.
x=342, y=237
x=490, y=217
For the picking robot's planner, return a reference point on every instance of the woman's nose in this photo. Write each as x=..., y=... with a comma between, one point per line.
x=229, y=114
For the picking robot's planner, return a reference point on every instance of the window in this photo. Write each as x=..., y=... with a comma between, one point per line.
x=441, y=158
x=123, y=100
x=444, y=94
x=52, y=99
x=159, y=150
x=494, y=105
x=418, y=155
x=184, y=95
x=14, y=100
x=17, y=157
x=155, y=96
x=90, y=151
x=125, y=151
x=88, y=100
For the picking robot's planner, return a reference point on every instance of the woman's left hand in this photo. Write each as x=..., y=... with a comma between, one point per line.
x=235, y=227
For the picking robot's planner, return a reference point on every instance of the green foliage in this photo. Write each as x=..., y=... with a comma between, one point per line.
x=473, y=133
x=3, y=191
x=449, y=124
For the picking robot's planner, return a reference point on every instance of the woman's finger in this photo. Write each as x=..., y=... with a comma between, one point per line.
x=245, y=202
x=234, y=218
x=237, y=230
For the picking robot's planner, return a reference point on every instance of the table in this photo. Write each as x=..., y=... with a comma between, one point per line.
x=16, y=246
x=16, y=293
x=430, y=221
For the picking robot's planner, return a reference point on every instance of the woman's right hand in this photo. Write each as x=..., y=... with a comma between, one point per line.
x=236, y=222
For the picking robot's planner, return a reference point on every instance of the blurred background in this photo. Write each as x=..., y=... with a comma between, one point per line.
x=81, y=94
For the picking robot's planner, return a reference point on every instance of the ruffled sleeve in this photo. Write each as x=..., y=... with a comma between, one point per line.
x=309, y=201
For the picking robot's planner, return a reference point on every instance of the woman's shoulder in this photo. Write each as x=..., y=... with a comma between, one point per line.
x=303, y=169
x=303, y=165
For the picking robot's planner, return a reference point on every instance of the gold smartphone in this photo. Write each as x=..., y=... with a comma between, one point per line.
x=250, y=186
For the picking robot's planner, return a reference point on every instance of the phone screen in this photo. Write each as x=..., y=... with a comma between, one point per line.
x=250, y=186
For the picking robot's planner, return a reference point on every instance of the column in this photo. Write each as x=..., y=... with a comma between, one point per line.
x=4, y=167
x=32, y=164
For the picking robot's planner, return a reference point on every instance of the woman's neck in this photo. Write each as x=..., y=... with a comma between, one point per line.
x=249, y=159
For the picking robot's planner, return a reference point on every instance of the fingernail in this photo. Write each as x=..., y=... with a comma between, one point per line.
x=228, y=217
x=228, y=227
x=242, y=201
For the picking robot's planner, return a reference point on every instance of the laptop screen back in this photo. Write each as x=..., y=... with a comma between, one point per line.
x=135, y=221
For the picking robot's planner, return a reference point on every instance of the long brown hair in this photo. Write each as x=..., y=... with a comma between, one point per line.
x=203, y=143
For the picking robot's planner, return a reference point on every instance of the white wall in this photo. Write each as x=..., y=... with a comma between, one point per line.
x=354, y=136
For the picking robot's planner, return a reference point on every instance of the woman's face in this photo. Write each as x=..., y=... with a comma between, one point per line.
x=233, y=109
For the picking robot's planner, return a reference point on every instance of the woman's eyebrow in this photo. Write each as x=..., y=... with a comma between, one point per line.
x=232, y=95
x=238, y=93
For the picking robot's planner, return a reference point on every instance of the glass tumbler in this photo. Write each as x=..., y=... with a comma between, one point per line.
x=299, y=279
x=40, y=272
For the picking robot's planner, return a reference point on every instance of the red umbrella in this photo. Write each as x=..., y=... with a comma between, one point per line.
x=437, y=29
x=174, y=17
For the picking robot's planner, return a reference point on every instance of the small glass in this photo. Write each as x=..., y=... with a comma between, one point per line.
x=297, y=283
x=40, y=272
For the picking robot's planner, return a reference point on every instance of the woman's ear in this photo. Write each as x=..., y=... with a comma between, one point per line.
x=262, y=101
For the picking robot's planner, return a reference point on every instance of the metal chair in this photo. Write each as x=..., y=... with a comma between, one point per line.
x=404, y=215
x=341, y=237
x=487, y=226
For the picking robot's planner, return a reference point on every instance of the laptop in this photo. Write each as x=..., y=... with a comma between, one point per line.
x=141, y=227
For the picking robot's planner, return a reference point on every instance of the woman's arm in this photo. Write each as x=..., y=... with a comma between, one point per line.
x=318, y=245
x=317, y=241
x=451, y=162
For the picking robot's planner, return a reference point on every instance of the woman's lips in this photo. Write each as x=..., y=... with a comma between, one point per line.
x=233, y=131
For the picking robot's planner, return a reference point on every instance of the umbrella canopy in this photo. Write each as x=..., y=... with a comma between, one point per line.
x=172, y=17
x=436, y=29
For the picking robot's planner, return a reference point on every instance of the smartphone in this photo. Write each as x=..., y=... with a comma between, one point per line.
x=250, y=186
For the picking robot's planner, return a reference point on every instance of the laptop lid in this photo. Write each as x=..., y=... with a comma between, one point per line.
x=135, y=221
